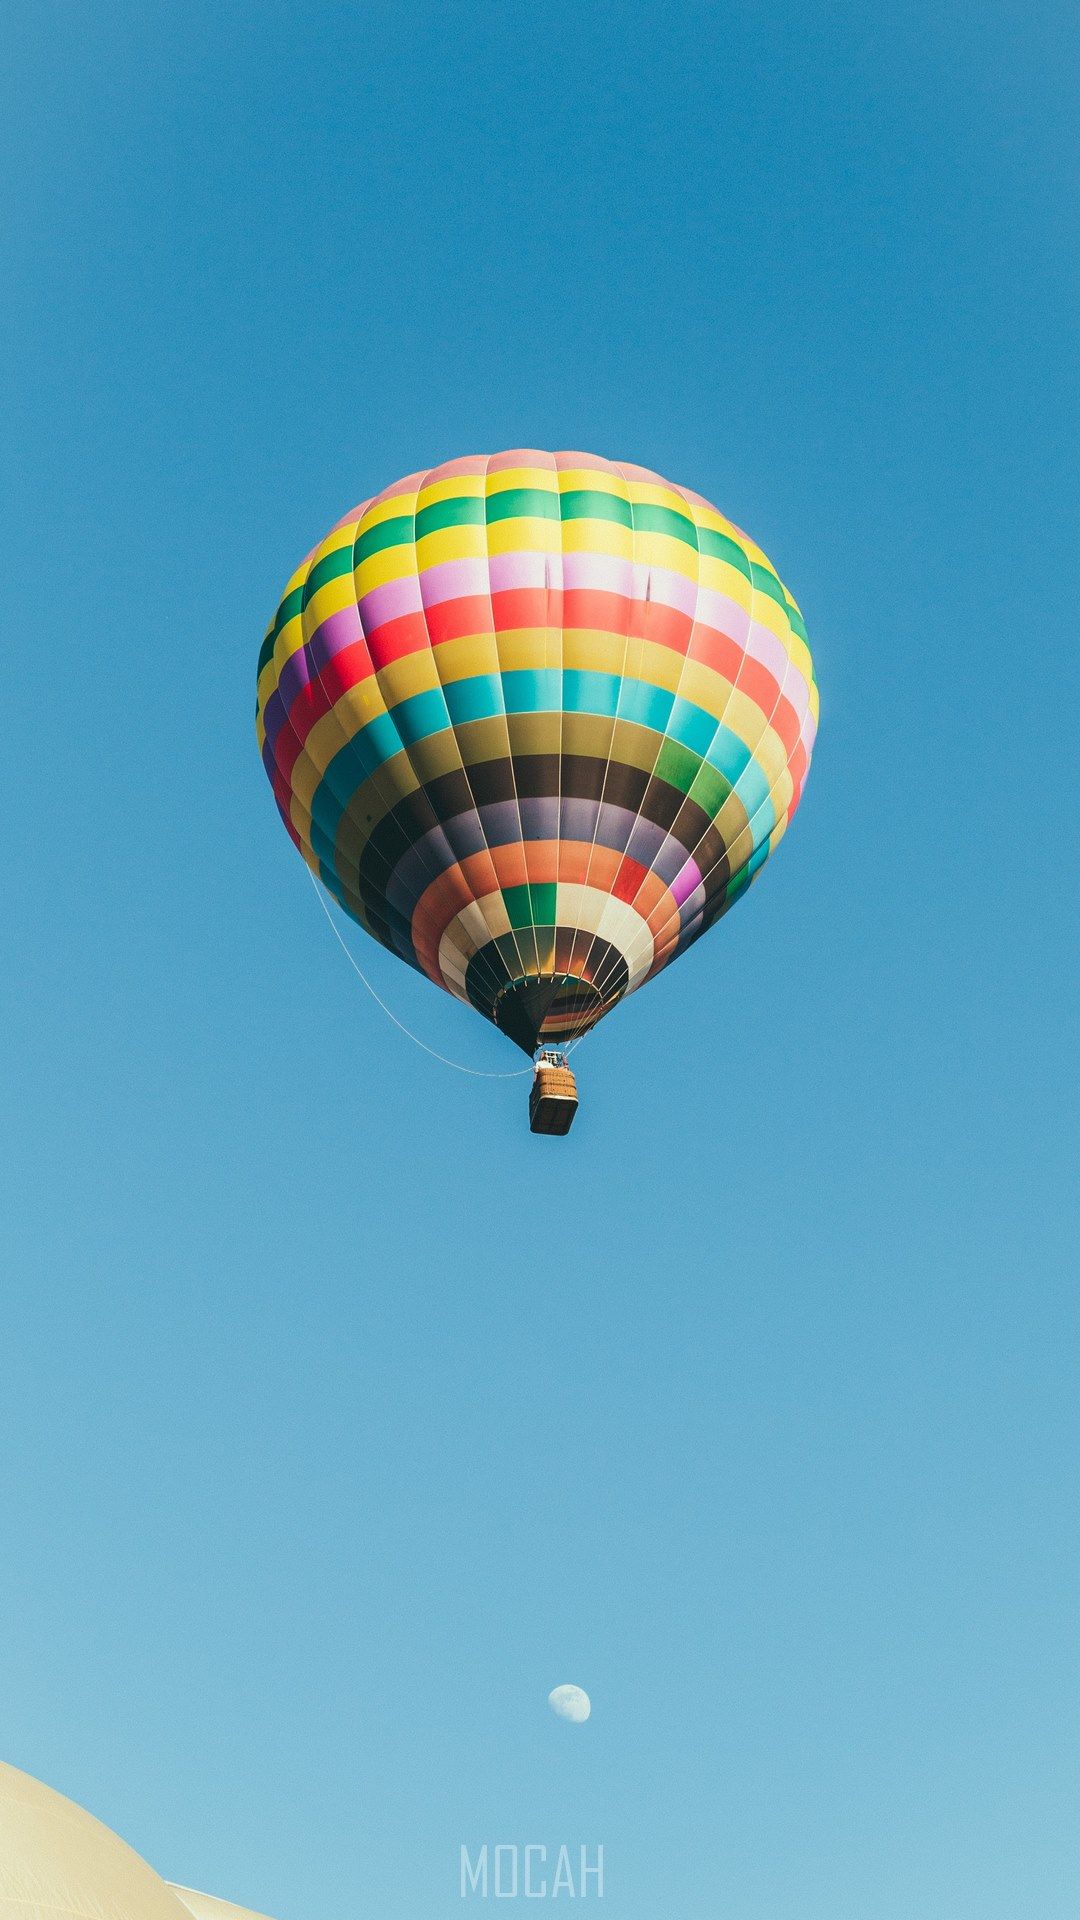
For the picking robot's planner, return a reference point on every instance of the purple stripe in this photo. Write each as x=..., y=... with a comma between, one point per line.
x=650, y=846
x=389, y=602
x=544, y=819
x=295, y=676
x=685, y=882
x=338, y=631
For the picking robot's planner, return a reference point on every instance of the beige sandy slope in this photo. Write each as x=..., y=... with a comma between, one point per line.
x=206, y=1906
x=59, y=1863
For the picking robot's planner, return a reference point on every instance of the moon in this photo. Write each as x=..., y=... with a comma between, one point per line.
x=570, y=1703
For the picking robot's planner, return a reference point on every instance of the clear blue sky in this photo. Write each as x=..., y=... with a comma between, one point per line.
x=340, y=1418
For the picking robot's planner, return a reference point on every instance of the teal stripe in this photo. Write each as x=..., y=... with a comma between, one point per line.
x=353, y=763
x=729, y=754
x=596, y=693
x=646, y=706
x=753, y=789
x=692, y=727
x=482, y=696
x=478, y=698
x=419, y=717
x=533, y=690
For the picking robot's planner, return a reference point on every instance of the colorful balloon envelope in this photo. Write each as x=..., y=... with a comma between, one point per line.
x=536, y=721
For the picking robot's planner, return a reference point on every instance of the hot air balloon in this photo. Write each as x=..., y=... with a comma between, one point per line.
x=536, y=721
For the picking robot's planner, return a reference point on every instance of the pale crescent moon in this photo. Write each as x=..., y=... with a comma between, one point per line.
x=570, y=1703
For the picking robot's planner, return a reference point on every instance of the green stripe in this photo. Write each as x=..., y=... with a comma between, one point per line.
x=292, y=604
x=467, y=511
x=677, y=766
x=518, y=906
x=798, y=624
x=650, y=519
x=767, y=583
x=720, y=546
x=582, y=505
x=331, y=567
x=530, y=906
x=388, y=533
x=543, y=903
x=266, y=651
x=538, y=504
x=534, y=503
x=526, y=503
x=710, y=790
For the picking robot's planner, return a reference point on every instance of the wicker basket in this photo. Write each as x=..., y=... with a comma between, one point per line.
x=553, y=1100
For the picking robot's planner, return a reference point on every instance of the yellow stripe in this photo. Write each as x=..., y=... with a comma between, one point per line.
x=539, y=479
x=523, y=536
x=393, y=509
x=464, y=542
x=391, y=563
x=592, y=480
x=598, y=536
x=462, y=486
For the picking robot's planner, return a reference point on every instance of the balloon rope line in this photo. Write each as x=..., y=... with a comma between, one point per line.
x=477, y=1073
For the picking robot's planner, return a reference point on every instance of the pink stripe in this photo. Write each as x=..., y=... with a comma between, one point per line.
x=646, y=473
x=684, y=882
x=797, y=694
x=454, y=580
x=509, y=570
x=672, y=590
x=408, y=485
x=521, y=457
x=350, y=519
x=586, y=462
x=469, y=464
x=391, y=601
x=761, y=644
x=724, y=615
x=597, y=573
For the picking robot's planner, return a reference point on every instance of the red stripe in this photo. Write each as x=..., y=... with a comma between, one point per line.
x=667, y=626
x=588, y=607
x=627, y=883
x=718, y=651
x=346, y=670
x=458, y=619
x=406, y=634
x=785, y=722
x=527, y=607
x=758, y=682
